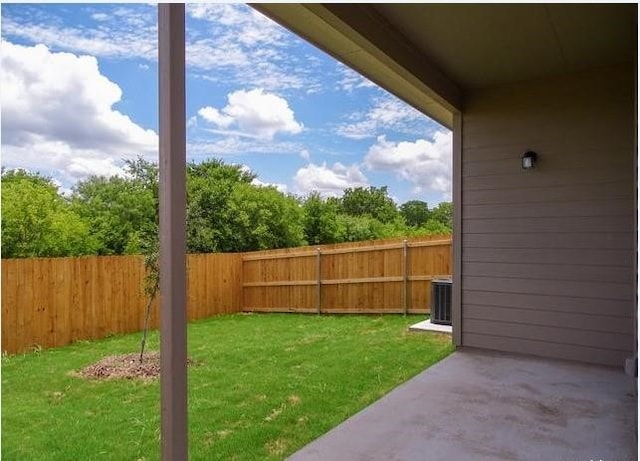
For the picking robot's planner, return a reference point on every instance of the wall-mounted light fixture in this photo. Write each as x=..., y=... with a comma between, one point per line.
x=529, y=159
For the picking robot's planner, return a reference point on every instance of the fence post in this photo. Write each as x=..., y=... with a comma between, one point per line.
x=318, y=282
x=405, y=273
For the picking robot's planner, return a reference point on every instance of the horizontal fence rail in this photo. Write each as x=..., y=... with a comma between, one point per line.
x=50, y=302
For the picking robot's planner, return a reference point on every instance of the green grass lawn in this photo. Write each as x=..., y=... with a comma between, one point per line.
x=264, y=386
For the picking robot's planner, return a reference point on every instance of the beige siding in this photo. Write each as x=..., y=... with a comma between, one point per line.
x=548, y=255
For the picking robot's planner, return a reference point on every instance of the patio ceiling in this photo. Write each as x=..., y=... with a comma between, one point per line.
x=431, y=54
x=479, y=46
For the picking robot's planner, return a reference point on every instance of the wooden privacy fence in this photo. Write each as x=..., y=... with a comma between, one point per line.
x=49, y=302
x=385, y=276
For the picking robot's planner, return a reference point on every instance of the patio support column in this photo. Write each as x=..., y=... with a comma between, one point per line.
x=173, y=316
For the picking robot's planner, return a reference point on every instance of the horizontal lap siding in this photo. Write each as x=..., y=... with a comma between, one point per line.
x=550, y=318
x=548, y=255
x=545, y=348
x=545, y=272
x=573, y=304
x=603, y=291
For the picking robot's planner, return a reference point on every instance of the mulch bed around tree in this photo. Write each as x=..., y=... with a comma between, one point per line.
x=125, y=366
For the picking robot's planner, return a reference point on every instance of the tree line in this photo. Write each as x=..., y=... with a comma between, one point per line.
x=226, y=212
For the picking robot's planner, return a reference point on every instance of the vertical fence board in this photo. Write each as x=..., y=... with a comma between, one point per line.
x=47, y=280
x=61, y=305
x=201, y=287
x=190, y=291
x=109, y=309
x=209, y=291
x=9, y=292
x=133, y=291
x=213, y=291
x=121, y=274
x=27, y=305
x=76, y=300
x=51, y=276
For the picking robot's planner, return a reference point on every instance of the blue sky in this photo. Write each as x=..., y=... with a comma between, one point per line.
x=80, y=95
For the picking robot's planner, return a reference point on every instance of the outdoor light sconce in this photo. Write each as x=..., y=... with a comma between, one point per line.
x=529, y=160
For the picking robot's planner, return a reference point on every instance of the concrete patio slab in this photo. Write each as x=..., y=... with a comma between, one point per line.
x=478, y=405
x=426, y=325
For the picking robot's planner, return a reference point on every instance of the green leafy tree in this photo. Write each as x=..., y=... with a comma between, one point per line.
x=261, y=218
x=321, y=223
x=443, y=213
x=432, y=227
x=210, y=185
x=38, y=222
x=415, y=212
x=372, y=201
x=358, y=228
x=119, y=209
x=144, y=173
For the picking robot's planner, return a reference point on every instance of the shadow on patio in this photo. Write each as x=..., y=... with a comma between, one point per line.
x=485, y=406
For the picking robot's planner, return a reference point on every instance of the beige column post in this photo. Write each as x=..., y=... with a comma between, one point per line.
x=173, y=315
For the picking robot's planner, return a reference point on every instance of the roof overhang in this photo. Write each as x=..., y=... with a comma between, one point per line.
x=431, y=55
x=358, y=36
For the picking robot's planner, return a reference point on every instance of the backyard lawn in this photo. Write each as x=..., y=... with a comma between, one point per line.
x=262, y=387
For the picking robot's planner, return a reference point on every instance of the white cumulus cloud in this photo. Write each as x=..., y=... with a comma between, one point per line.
x=254, y=113
x=213, y=115
x=328, y=181
x=426, y=164
x=279, y=186
x=256, y=182
x=58, y=116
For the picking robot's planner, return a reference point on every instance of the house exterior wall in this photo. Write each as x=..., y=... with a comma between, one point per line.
x=547, y=260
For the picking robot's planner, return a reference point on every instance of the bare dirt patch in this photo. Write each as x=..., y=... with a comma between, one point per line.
x=125, y=366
